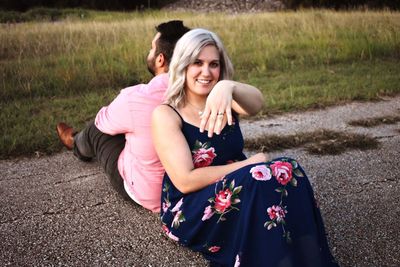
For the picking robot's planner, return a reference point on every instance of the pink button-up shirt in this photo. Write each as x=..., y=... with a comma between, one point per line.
x=138, y=163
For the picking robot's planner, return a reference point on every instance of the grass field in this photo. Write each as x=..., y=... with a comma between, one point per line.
x=67, y=69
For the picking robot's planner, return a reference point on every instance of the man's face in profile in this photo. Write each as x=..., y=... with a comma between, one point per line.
x=151, y=57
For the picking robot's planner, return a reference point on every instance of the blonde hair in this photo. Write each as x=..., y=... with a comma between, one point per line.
x=186, y=51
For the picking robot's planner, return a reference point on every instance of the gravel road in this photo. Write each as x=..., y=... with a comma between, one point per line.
x=57, y=211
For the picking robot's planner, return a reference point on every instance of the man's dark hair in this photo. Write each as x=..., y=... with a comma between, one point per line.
x=170, y=32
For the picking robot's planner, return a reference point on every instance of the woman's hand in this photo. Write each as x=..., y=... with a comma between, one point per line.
x=257, y=158
x=218, y=108
x=226, y=96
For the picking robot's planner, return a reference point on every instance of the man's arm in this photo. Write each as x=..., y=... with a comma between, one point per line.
x=113, y=119
x=131, y=110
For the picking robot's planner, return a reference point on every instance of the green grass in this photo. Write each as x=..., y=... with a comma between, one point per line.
x=320, y=86
x=67, y=70
x=28, y=126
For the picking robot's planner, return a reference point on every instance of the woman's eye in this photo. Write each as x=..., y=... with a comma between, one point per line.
x=197, y=62
x=214, y=64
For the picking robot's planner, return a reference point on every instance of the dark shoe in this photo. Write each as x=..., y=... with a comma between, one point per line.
x=66, y=135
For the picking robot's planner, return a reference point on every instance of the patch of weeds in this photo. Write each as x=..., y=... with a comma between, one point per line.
x=274, y=142
x=342, y=143
x=372, y=122
x=321, y=142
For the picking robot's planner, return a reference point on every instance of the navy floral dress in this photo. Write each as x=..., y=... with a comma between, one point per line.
x=260, y=215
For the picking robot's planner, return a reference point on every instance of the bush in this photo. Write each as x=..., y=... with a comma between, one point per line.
x=42, y=14
x=342, y=4
x=10, y=17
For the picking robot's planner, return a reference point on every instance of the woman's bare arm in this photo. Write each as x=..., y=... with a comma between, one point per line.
x=176, y=157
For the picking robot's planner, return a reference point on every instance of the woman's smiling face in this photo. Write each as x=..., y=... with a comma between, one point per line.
x=204, y=73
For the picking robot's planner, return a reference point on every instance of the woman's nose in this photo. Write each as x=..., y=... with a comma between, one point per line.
x=205, y=69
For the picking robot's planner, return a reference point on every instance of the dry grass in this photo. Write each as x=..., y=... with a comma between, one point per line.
x=372, y=122
x=321, y=142
x=70, y=68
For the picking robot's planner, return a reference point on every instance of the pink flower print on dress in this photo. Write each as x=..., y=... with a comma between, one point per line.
x=165, y=228
x=203, y=155
x=223, y=200
x=178, y=219
x=237, y=261
x=169, y=234
x=261, y=173
x=276, y=213
x=214, y=249
x=177, y=205
x=173, y=237
x=282, y=171
x=208, y=213
x=165, y=206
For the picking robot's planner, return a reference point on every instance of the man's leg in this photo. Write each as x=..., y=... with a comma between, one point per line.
x=92, y=143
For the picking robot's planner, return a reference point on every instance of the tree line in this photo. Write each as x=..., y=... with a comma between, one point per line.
x=343, y=4
x=24, y=5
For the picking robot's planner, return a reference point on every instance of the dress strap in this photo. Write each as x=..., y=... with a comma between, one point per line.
x=175, y=111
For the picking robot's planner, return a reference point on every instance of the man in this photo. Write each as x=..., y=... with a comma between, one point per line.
x=120, y=136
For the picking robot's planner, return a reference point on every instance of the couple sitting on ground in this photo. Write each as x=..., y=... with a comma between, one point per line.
x=151, y=142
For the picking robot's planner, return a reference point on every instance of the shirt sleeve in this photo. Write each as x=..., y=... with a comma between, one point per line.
x=114, y=118
x=130, y=111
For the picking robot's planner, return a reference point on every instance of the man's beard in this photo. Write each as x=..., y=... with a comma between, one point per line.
x=151, y=65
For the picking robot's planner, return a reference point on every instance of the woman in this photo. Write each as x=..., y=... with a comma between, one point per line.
x=236, y=211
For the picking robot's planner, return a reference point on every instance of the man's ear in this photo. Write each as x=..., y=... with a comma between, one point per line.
x=160, y=60
x=161, y=64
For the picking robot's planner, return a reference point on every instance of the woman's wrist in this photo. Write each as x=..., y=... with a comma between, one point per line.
x=228, y=86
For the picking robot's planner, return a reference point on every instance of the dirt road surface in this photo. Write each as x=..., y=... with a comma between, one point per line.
x=57, y=211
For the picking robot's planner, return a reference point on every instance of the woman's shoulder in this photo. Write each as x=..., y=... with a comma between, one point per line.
x=165, y=114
